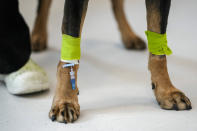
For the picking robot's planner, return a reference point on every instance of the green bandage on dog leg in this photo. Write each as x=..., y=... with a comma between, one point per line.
x=70, y=48
x=157, y=43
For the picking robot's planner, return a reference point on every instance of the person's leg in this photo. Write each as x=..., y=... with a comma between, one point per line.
x=65, y=107
x=20, y=73
x=14, y=38
x=166, y=94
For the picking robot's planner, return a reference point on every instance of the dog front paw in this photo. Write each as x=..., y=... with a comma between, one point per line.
x=65, y=107
x=172, y=99
x=64, y=111
x=167, y=95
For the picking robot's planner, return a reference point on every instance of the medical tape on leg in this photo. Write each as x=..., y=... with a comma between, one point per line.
x=157, y=43
x=70, y=50
x=70, y=54
x=70, y=61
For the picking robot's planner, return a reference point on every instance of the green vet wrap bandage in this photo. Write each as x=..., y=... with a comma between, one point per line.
x=157, y=43
x=70, y=48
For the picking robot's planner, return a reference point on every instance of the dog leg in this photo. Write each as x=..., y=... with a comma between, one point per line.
x=39, y=33
x=129, y=38
x=65, y=107
x=166, y=94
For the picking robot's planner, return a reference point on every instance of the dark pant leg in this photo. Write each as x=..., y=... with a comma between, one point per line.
x=15, y=47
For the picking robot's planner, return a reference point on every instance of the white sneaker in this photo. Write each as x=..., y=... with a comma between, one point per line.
x=29, y=79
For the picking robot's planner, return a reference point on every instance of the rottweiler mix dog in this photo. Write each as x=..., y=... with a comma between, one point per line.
x=65, y=107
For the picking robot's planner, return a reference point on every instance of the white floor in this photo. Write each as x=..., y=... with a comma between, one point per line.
x=115, y=87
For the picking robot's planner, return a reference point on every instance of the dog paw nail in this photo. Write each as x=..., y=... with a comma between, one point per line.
x=175, y=107
x=65, y=121
x=62, y=113
x=53, y=118
x=189, y=107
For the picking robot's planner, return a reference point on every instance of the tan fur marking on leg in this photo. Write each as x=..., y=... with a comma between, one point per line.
x=83, y=15
x=153, y=19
